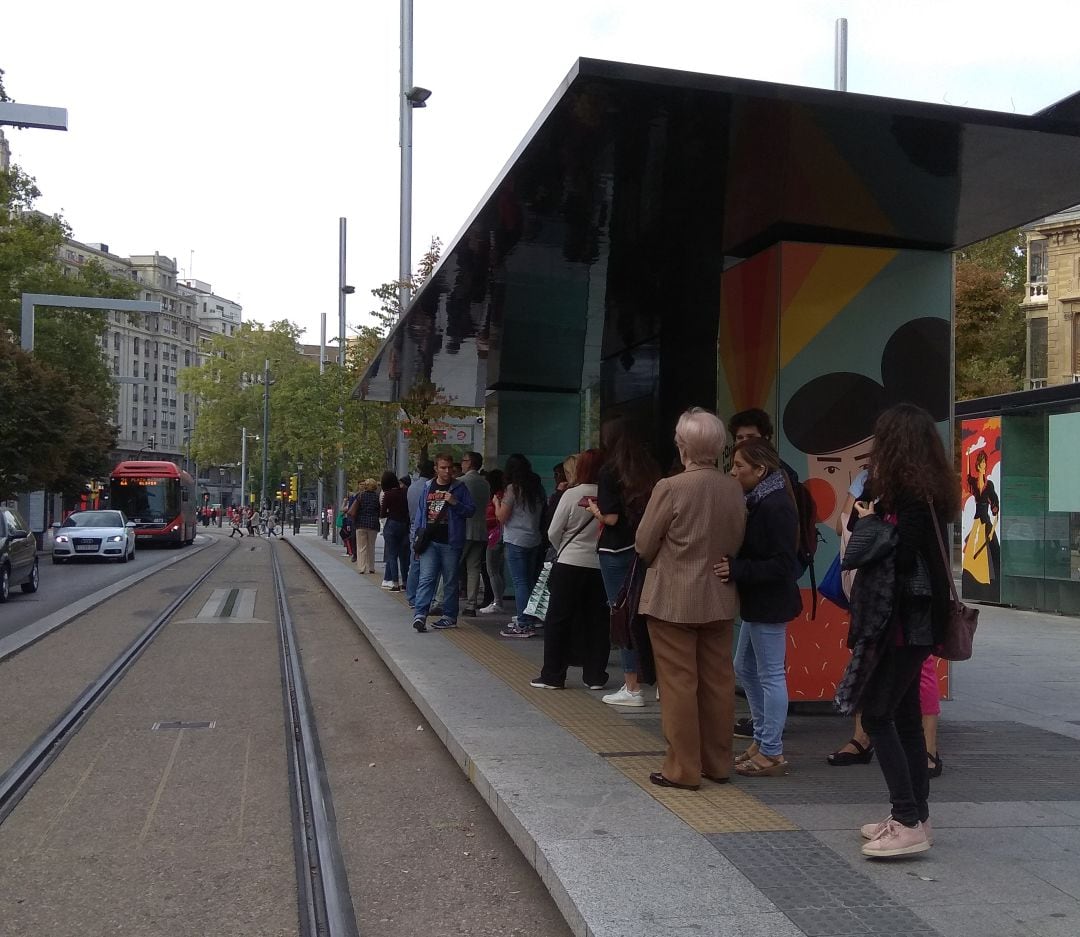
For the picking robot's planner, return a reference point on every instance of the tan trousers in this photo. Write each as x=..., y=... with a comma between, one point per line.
x=365, y=550
x=693, y=666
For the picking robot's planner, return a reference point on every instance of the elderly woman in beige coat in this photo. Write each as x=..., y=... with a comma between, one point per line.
x=693, y=520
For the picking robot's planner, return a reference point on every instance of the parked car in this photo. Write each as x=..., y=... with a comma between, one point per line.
x=18, y=554
x=94, y=533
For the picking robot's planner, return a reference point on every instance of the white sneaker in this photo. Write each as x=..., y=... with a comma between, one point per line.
x=874, y=830
x=625, y=697
x=387, y=584
x=490, y=609
x=897, y=840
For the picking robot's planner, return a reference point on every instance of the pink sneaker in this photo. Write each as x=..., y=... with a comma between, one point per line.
x=873, y=830
x=896, y=840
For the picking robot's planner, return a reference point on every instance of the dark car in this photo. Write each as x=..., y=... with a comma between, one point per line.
x=18, y=554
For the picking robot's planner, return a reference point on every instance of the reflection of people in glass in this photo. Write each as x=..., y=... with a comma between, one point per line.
x=982, y=552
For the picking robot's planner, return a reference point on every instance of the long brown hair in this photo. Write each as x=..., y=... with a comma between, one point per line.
x=909, y=458
x=633, y=467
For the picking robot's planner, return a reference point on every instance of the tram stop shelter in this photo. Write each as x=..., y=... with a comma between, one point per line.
x=663, y=239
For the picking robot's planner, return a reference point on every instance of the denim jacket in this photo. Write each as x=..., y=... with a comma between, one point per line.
x=459, y=511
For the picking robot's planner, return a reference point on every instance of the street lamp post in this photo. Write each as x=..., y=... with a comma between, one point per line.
x=299, y=498
x=265, y=432
x=343, y=291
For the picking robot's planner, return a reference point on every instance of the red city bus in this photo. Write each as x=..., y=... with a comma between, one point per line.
x=158, y=497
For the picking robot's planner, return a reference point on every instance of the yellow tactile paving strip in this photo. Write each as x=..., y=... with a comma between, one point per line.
x=716, y=808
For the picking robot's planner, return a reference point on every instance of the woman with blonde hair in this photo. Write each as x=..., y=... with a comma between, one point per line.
x=366, y=518
x=692, y=521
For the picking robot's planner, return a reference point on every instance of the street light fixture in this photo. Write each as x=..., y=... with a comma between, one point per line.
x=417, y=97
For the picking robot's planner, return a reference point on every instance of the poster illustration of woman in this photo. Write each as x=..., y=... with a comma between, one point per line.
x=981, y=445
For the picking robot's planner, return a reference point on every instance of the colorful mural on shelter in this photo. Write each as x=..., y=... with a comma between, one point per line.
x=980, y=443
x=824, y=338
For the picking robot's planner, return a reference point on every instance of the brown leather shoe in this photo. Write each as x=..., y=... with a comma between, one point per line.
x=660, y=781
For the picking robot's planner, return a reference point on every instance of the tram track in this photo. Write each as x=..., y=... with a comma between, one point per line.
x=28, y=767
x=324, y=904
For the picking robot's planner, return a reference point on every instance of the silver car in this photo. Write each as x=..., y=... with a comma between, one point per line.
x=94, y=533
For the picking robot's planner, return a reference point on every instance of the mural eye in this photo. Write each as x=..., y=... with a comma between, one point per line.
x=831, y=470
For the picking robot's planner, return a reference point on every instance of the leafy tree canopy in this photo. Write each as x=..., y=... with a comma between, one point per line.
x=990, y=326
x=67, y=345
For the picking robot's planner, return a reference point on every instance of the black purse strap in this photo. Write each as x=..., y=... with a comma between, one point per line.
x=571, y=540
x=941, y=546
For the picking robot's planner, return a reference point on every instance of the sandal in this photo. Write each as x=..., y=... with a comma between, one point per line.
x=775, y=768
x=863, y=755
x=750, y=752
x=935, y=770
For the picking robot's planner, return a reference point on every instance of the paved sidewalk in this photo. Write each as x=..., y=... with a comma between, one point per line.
x=567, y=777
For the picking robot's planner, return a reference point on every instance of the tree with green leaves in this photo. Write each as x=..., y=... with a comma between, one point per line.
x=67, y=348
x=989, y=320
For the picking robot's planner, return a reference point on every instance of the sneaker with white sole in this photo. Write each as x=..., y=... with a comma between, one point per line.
x=625, y=697
x=444, y=624
x=873, y=830
x=386, y=584
x=491, y=609
x=541, y=684
x=514, y=630
x=895, y=839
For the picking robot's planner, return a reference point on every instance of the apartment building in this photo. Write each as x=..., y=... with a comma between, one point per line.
x=146, y=352
x=1052, y=300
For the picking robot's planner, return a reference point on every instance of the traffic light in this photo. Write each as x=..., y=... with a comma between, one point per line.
x=151, y=443
x=281, y=492
x=294, y=488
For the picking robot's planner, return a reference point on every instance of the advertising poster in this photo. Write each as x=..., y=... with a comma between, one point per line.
x=980, y=480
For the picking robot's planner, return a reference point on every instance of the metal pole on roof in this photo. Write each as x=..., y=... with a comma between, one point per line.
x=405, y=144
x=840, y=56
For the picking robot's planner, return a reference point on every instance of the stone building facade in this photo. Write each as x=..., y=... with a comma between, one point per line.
x=1052, y=300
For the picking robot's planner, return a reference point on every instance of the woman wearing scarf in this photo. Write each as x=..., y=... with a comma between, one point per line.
x=765, y=574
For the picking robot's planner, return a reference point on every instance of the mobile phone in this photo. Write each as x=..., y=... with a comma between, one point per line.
x=586, y=501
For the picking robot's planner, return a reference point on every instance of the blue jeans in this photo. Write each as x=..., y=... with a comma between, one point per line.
x=614, y=567
x=413, y=578
x=522, y=563
x=438, y=559
x=394, y=549
x=759, y=664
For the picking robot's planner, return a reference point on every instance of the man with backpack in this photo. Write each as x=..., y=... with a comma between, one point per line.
x=756, y=422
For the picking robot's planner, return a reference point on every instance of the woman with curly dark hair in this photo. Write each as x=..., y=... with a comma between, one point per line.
x=911, y=485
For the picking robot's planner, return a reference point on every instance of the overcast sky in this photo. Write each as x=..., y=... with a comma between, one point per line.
x=231, y=135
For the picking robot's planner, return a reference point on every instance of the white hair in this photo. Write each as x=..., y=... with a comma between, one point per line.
x=700, y=435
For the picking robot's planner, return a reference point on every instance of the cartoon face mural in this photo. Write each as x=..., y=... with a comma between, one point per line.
x=831, y=418
x=824, y=338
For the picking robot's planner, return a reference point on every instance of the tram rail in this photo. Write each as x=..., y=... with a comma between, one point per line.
x=324, y=902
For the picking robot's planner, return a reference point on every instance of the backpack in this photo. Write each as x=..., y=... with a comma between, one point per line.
x=809, y=538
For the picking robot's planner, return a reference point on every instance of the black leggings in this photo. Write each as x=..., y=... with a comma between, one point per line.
x=892, y=717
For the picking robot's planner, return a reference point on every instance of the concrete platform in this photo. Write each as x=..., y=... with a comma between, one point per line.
x=567, y=777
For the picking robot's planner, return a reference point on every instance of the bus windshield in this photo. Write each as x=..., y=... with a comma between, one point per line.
x=146, y=500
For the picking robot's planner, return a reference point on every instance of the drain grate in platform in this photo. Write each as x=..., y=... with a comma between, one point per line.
x=182, y=725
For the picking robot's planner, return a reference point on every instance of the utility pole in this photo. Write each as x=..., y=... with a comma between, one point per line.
x=243, y=466
x=343, y=290
x=320, y=496
x=266, y=431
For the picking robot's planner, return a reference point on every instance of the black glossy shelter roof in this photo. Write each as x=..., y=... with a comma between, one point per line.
x=635, y=180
